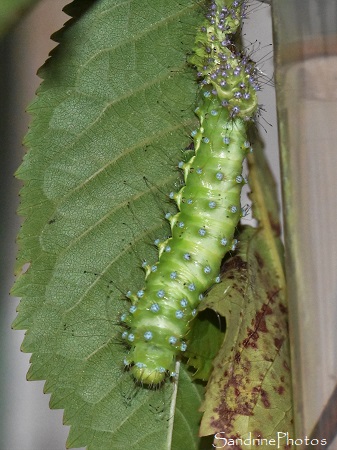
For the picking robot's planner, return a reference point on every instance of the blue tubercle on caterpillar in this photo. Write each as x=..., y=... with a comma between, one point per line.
x=209, y=203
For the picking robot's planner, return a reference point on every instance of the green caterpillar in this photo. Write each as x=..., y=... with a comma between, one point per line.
x=209, y=203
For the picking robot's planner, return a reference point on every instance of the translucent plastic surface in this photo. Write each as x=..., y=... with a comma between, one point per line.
x=305, y=34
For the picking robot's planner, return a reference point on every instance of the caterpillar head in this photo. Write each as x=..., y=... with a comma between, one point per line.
x=153, y=353
x=157, y=361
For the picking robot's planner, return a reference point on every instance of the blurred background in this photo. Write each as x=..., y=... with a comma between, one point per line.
x=305, y=47
x=26, y=422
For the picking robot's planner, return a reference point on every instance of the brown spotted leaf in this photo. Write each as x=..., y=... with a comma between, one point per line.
x=249, y=391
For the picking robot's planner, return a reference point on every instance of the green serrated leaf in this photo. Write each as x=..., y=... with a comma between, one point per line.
x=110, y=121
x=249, y=393
x=187, y=415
